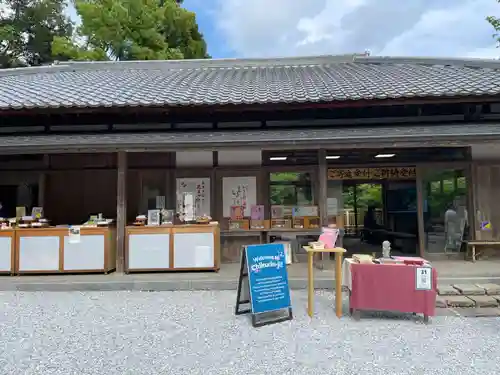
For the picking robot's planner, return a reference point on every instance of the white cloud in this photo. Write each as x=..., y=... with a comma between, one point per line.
x=385, y=27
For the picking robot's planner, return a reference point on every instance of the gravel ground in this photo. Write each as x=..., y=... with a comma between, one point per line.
x=196, y=333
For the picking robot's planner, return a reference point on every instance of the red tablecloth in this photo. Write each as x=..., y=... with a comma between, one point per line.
x=383, y=287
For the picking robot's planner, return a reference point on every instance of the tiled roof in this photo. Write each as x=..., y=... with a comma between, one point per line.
x=220, y=82
x=385, y=136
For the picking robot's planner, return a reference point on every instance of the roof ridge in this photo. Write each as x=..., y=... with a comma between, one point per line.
x=182, y=64
x=442, y=61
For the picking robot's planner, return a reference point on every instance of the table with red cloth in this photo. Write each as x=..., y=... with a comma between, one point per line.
x=390, y=287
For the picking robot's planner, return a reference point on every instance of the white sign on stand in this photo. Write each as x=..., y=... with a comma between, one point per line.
x=423, y=278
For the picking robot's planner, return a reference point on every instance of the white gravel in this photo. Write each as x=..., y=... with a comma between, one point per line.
x=196, y=333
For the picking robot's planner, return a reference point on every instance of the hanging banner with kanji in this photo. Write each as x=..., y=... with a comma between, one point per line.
x=389, y=173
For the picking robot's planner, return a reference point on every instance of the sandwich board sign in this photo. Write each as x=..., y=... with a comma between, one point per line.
x=263, y=284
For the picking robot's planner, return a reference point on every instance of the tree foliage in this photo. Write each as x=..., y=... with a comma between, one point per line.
x=495, y=22
x=133, y=30
x=27, y=31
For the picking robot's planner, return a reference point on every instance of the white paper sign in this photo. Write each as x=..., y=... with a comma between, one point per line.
x=332, y=206
x=423, y=279
x=74, y=235
x=200, y=188
x=239, y=191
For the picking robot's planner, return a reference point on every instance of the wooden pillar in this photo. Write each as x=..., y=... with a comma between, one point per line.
x=42, y=181
x=121, y=210
x=323, y=193
x=420, y=212
x=470, y=185
x=214, y=185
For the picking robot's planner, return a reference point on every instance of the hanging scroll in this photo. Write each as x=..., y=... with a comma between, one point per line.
x=239, y=191
x=200, y=188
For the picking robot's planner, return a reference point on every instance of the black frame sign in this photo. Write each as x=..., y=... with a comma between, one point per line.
x=263, y=284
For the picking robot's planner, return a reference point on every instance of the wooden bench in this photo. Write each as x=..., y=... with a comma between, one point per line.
x=472, y=245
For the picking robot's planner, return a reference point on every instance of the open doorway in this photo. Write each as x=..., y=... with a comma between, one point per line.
x=380, y=211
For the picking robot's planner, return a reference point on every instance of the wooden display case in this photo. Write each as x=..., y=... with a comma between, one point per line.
x=7, y=251
x=49, y=250
x=194, y=247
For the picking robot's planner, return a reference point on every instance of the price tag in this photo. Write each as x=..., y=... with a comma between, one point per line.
x=423, y=278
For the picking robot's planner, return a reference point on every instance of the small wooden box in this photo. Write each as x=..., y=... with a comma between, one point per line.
x=298, y=223
x=281, y=224
x=312, y=222
x=239, y=224
x=259, y=224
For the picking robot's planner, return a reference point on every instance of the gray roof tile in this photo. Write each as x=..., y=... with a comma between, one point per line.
x=220, y=82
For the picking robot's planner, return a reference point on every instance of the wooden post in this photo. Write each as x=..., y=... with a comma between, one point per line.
x=42, y=181
x=420, y=212
x=121, y=210
x=323, y=193
x=310, y=283
x=338, y=284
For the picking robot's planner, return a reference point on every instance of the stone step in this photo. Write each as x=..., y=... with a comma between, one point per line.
x=467, y=301
x=458, y=301
x=489, y=289
x=469, y=289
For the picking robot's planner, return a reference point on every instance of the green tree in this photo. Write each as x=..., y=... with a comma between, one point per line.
x=27, y=31
x=495, y=22
x=133, y=30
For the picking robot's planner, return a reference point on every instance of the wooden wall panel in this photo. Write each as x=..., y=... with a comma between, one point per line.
x=63, y=203
x=100, y=193
x=133, y=194
x=487, y=204
x=71, y=196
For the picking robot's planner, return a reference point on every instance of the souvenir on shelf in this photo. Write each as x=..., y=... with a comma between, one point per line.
x=204, y=219
x=97, y=221
x=187, y=212
x=20, y=212
x=4, y=223
x=311, y=222
x=298, y=221
x=153, y=217
x=104, y=223
x=257, y=217
x=167, y=217
x=281, y=217
x=25, y=222
x=37, y=212
x=305, y=217
x=237, y=220
x=140, y=220
x=40, y=223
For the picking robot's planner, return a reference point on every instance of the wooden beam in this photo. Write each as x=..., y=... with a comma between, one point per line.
x=121, y=210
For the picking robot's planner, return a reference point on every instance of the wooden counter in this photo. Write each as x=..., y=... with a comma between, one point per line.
x=48, y=250
x=7, y=251
x=172, y=248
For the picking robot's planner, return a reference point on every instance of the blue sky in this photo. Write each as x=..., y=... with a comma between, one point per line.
x=278, y=28
x=205, y=15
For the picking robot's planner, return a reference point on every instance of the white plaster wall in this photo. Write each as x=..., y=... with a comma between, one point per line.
x=240, y=157
x=194, y=159
x=489, y=151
